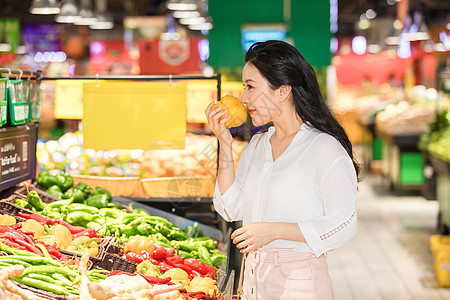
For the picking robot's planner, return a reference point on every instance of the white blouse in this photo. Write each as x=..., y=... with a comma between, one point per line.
x=312, y=183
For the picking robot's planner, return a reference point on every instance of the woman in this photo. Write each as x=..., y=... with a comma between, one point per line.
x=295, y=185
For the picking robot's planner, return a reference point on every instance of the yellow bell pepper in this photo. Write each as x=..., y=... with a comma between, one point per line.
x=204, y=284
x=177, y=275
x=138, y=243
x=147, y=268
x=84, y=244
x=7, y=220
x=51, y=240
x=63, y=233
x=33, y=226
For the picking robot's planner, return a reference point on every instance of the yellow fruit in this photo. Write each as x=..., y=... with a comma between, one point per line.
x=235, y=109
x=33, y=226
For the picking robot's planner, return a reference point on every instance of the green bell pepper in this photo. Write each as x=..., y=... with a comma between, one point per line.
x=98, y=200
x=86, y=189
x=64, y=181
x=34, y=200
x=55, y=191
x=45, y=179
x=101, y=191
x=78, y=196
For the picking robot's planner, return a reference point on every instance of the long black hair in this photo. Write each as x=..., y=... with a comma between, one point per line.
x=282, y=64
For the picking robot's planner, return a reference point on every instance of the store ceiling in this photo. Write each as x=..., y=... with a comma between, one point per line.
x=349, y=11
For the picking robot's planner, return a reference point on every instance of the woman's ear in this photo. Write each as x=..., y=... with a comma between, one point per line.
x=284, y=91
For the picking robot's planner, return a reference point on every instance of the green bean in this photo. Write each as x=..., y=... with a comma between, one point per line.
x=43, y=277
x=39, y=284
x=62, y=278
x=50, y=269
x=33, y=260
x=14, y=261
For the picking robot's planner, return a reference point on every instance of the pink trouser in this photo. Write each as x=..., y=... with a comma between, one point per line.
x=286, y=275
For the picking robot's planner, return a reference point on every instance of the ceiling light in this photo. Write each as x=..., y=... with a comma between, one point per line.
x=69, y=12
x=44, y=7
x=182, y=5
x=86, y=14
x=104, y=19
x=204, y=26
x=192, y=21
x=370, y=14
x=179, y=14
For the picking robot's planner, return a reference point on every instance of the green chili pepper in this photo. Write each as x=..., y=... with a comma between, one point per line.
x=86, y=189
x=44, y=278
x=146, y=229
x=98, y=200
x=81, y=207
x=141, y=211
x=55, y=190
x=184, y=254
x=177, y=234
x=111, y=212
x=126, y=230
x=159, y=239
x=13, y=261
x=46, y=180
x=39, y=260
x=34, y=200
x=161, y=220
x=64, y=181
x=50, y=270
x=101, y=191
x=193, y=230
x=39, y=284
x=21, y=203
x=62, y=278
x=217, y=259
x=58, y=205
x=163, y=229
x=115, y=205
x=204, y=255
x=79, y=217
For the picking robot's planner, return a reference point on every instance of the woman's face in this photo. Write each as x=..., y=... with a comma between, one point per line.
x=258, y=96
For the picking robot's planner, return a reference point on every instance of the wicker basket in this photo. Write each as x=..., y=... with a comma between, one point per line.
x=178, y=187
x=9, y=208
x=117, y=186
x=113, y=262
x=46, y=197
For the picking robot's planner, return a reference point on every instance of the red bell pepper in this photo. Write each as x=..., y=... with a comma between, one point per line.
x=134, y=257
x=196, y=265
x=164, y=267
x=72, y=229
x=169, y=250
x=176, y=259
x=145, y=255
x=195, y=273
x=211, y=272
x=184, y=267
x=159, y=253
x=90, y=232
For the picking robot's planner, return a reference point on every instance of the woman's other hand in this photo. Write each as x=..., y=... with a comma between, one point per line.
x=253, y=236
x=218, y=126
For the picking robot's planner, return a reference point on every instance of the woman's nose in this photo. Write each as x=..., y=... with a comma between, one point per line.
x=244, y=98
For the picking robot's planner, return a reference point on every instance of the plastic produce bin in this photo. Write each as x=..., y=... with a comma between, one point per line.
x=440, y=247
x=15, y=102
x=3, y=101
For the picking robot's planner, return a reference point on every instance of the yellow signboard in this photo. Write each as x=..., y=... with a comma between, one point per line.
x=134, y=115
x=200, y=94
x=69, y=98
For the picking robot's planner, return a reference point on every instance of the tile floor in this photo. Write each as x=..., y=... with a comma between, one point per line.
x=390, y=256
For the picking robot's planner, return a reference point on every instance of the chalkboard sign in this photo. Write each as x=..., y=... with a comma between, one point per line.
x=17, y=154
